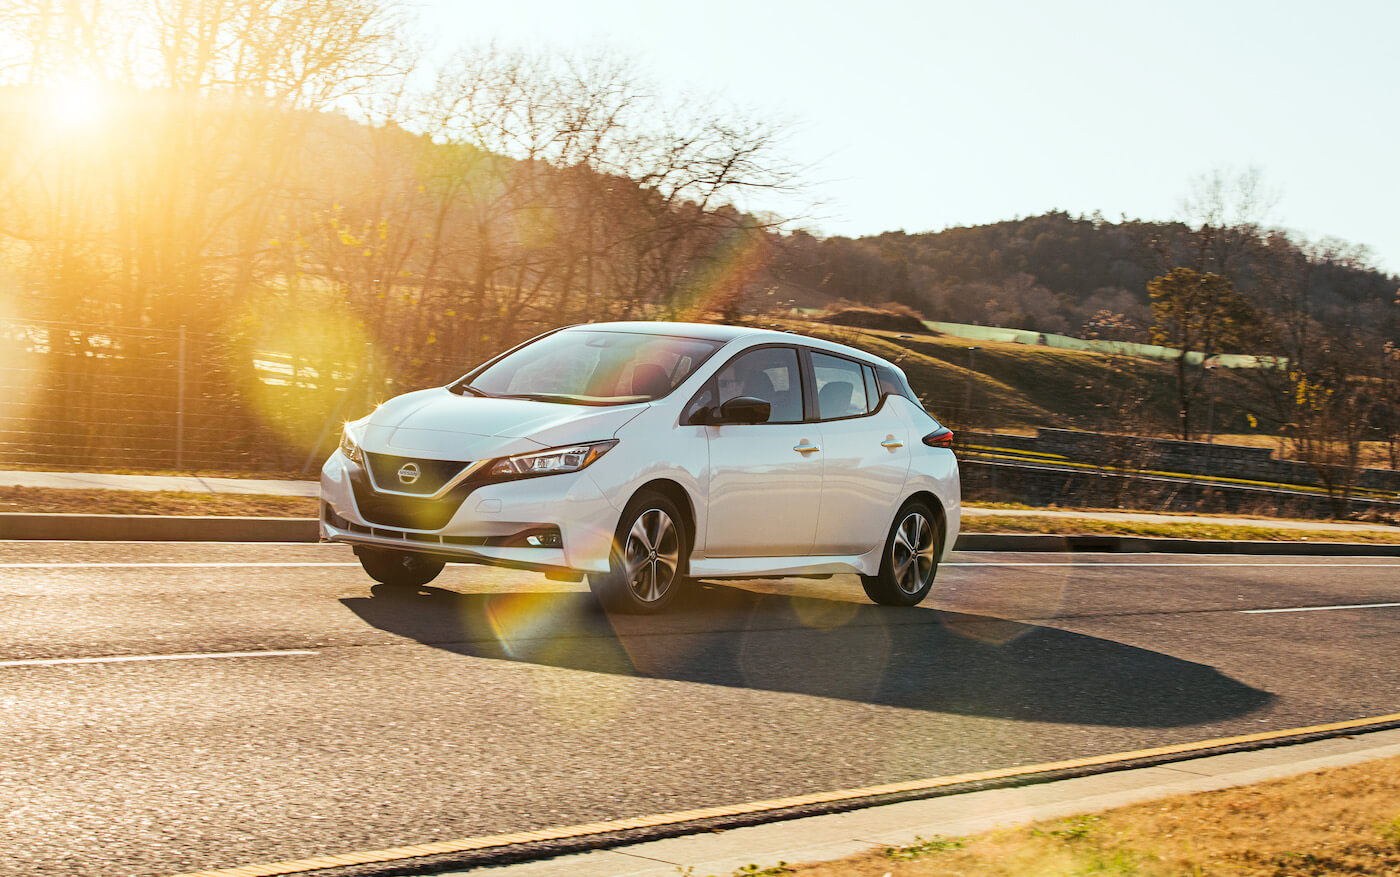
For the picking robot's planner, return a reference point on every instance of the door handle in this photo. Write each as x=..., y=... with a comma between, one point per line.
x=806, y=449
x=891, y=444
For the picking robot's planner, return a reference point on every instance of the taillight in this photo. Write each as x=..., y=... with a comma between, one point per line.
x=939, y=438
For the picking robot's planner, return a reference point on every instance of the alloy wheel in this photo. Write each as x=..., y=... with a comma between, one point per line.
x=652, y=555
x=912, y=553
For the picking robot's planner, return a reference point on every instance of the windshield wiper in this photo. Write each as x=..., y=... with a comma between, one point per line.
x=564, y=398
x=468, y=388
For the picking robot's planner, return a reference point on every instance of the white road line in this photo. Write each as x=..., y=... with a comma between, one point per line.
x=991, y=564
x=173, y=565
x=123, y=659
x=1319, y=608
x=1079, y=565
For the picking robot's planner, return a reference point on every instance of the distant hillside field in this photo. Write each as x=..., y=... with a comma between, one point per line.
x=1019, y=387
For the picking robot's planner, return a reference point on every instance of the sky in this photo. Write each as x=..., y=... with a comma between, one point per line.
x=924, y=115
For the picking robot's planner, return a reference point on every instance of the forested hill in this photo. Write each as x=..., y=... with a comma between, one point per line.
x=1056, y=272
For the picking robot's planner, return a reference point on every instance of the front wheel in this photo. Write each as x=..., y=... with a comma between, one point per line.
x=647, y=562
x=399, y=569
x=910, y=559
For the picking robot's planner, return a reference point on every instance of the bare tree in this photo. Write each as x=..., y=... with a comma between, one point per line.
x=208, y=101
x=1226, y=208
x=1390, y=400
x=1202, y=314
x=1333, y=406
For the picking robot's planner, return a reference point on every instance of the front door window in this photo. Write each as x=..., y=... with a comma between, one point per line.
x=770, y=374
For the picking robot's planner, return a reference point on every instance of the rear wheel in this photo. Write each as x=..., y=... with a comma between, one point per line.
x=647, y=559
x=400, y=569
x=910, y=559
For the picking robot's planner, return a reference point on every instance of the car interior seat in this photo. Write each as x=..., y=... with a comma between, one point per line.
x=834, y=400
x=760, y=386
x=650, y=379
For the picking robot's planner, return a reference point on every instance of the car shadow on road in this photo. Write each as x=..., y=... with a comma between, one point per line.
x=920, y=658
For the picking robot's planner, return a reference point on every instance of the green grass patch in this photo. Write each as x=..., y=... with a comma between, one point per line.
x=922, y=847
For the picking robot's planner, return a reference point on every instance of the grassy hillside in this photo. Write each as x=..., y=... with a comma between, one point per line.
x=1055, y=272
x=1019, y=387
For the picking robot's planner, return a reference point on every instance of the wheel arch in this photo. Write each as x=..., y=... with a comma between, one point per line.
x=939, y=512
x=677, y=494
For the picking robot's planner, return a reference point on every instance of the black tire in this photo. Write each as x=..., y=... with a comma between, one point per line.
x=648, y=559
x=399, y=569
x=909, y=561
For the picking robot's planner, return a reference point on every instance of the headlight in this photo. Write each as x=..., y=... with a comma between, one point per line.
x=349, y=448
x=552, y=461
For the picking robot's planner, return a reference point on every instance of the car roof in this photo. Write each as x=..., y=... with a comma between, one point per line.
x=725, y=334
x=702, y=331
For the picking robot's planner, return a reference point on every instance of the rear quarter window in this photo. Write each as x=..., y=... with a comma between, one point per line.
x=872, y=387
x=893, y=383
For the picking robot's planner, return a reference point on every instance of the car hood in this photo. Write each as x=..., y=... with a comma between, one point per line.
x=439, y=424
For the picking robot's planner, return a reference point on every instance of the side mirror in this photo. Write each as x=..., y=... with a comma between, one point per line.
x=743, y=409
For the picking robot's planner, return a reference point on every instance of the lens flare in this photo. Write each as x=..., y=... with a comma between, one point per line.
x=846, y=663
x=826, y=613
x=731, y=267
x=77, y=105
x=556, y=629
x=20, y=369
x=525, y=624
x=309, y=370
x=977, y=603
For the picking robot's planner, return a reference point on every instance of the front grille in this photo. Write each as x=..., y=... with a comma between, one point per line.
x=408, y=512
x=432, y=474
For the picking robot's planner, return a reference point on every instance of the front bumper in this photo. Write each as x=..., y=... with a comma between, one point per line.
x=489, y=523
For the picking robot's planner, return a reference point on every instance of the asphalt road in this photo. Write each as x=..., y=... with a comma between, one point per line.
x=496, y=701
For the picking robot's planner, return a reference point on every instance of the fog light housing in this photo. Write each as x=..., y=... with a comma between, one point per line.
x=329, y=515
x=535, y=537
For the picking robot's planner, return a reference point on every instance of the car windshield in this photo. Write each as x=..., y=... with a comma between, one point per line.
x=585, y=367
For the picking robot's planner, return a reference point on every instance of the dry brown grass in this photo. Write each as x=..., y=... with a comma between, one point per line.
x=1342, y=821
x=1374, y=455
x=157, y=502
x=1182, y=530
x=260, y=474
x=889, y=316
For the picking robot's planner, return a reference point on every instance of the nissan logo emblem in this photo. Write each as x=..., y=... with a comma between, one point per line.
x=409, y=472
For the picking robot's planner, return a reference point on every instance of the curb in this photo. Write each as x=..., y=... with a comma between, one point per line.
x=156, y=528
x=485, y=851
x=164, y=528
x=1145, y=545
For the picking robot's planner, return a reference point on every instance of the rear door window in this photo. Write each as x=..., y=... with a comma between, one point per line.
x=841, y=387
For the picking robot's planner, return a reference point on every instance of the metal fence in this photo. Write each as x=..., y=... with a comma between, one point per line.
x=81, y=396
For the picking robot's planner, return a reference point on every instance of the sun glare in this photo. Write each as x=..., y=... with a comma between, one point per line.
x=77, y=105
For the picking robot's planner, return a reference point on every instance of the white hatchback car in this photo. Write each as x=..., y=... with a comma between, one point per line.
x=645, y=455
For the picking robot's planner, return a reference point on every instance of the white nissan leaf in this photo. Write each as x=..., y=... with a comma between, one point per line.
x=647, y=455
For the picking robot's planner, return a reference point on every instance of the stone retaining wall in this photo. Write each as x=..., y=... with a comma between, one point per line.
x=1169, y=455
x=985, y=481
